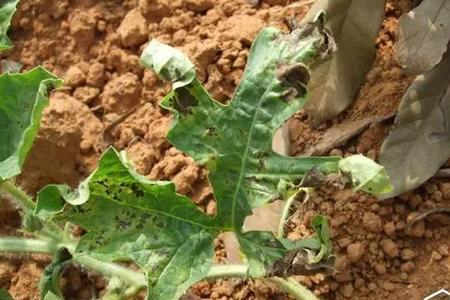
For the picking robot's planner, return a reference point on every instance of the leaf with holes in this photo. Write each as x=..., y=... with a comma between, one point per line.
x=22, y=100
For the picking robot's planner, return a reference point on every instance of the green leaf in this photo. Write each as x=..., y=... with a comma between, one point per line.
x=4, y=295
x=366, y=175
x=49, y=283
x=22, y=99
x=235, y=141
x=7, y=10
x=129, y=217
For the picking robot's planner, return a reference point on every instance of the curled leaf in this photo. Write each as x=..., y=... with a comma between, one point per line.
x=22, y=100
x=366, y=175
x=423, y=35
x=49, y=283
x=7, y=10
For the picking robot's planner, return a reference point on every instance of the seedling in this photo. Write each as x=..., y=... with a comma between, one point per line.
x=130, y=218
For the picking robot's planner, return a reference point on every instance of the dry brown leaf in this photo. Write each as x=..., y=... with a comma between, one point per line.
x=336, y=81
x=423, y=35
x=420, y=142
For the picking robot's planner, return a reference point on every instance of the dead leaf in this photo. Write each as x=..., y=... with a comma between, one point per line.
x=336, y=81
x=341, y=133
x=420, y=142
x=423, y=35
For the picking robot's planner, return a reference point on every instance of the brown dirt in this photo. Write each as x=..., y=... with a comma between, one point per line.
x=95, y=47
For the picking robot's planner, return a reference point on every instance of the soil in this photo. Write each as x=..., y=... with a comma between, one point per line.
x=95, y=47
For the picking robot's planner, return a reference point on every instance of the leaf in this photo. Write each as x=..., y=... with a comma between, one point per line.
x=235, y=141
x=336, y=81
x=420, y=142
x=366, y=175
x=4, y=295
x=49, y=283
x=22, y=99
x=7, y=10
x=129, y=217
x=423, y=35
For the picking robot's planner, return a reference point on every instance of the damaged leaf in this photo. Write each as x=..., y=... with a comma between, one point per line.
x=7, y=10
x=420, y=142
x=366, y=175
x=22, y=100
x=422, y=36
x=335, y=82
x=127, y=216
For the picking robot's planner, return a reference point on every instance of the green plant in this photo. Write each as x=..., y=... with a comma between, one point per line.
x=129, y=218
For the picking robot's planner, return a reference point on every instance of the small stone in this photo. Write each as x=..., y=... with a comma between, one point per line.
x=380, y=268
x=399, y=208
x=372, y=222
x=355, y=251
x=336, y=152
x=372, y=286
x=388, y=286
x=431, y=188
x=347, y=290
x=404, y=276
x=407, y=254
x=414, y=201
x=436, y=255
x=389, y=228
x=133, y=30
x=445, y=189
x=407, y=267
x=443, y=250
x=437, y=196
x=74, y=77
x=389, y=247
x=344, y=242
x=95, y=76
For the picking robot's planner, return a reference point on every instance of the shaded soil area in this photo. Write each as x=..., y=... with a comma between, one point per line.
x=95, y=46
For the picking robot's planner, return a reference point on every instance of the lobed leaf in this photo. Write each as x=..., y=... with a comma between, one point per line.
x=423, y=35
x=7, y=10
x=419, y=144
x=235, y=141
x=22, y=100
x=335, y=82
x=128, y=217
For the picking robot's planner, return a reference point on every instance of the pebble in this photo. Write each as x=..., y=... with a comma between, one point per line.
x=436, y=255
x=389, y=228
x=347, y=290
x=372, y=222
x=389, y=247
x=407, y=254
x=443, y=250
x=388, y=286
x=380, y=268
x=407, y=267
x=355, y=251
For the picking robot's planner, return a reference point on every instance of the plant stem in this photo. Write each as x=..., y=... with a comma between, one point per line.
x=137, y=279
x=223, y=271
x=15, y=244
x=287, y=210
x=20, y=196
x=110, y=269
x=294, y=288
